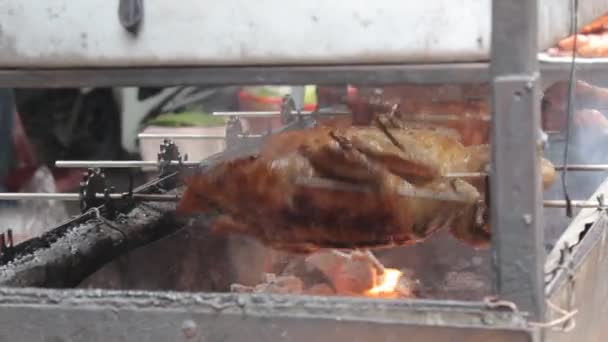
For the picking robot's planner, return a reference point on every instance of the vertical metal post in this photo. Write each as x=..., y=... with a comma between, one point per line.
x=7, y=124
x=516, y=211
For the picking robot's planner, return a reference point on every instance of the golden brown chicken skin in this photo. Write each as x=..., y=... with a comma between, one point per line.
x=388, y=187
x=262, y=198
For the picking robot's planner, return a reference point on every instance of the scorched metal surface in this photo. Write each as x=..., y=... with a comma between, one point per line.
x=52, y=315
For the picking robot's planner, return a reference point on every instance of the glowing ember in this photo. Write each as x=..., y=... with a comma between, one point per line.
x=388, y=283
x=358, y=273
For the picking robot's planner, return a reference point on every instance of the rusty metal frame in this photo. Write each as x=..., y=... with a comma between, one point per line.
x=383, y=74
x=371, y=75
x=516, y=216
x=76, y=315
x=67, y=315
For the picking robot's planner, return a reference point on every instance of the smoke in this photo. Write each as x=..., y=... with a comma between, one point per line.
x=31, y=218
x=587, y=146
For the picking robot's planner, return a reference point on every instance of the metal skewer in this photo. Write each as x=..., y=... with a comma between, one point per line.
x=259, y=114
x=272, y=113
x=406, y=116
x=574, y=204
x=444, y=117
x=466, y=174
x=583, y=167
x=105, y=164
x=192, y=136
x=570, y=167
x=16, y=196
x=154, y=163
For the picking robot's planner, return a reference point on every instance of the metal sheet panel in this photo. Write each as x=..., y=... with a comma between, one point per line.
x=237, y=32
x=576, y=279
x=63, y=33
x=571, y=238
x=47, y=315
x=586, y=291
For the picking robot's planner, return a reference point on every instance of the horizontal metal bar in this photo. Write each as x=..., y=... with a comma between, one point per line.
x=287, y=75
x=574, y=204
x=153, y=197
x=583, y=167
x=404, y=116
x=445, y=117
x=254, y=75
x=73, y=196
x=180, y=136
x=192, y=136
x=260, y=114
x=570, y=167
x=466, y=174
x=272, y=113
x=106, y=164
x=153, y=163
x=16, y=196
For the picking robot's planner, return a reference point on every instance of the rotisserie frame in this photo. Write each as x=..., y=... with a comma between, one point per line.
x=98, y=315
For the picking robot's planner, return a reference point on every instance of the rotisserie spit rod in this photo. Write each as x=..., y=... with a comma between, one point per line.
x=262, y=114
x=107, y=164
x=192, y=136
x=153, y=163
x=569, y=167
x=18, y=196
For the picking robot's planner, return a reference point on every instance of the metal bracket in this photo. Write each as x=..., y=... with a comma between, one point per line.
x=6, y=246
x=93, y=182
x=292, y=116
x=95, y=192
x=516, y=199
x=234, y=130
x=288, y=106
x=131, y=14
x=169, y=153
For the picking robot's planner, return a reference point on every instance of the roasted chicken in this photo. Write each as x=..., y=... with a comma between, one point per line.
x=591, y=42
x=389, y=187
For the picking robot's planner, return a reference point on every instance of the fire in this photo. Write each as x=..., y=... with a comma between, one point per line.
x=388, y=283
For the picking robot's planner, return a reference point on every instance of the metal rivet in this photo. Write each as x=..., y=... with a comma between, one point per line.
x=477, y=261
x=517, y=96
x=486, y=319
x=189, y=329
x=527, y=218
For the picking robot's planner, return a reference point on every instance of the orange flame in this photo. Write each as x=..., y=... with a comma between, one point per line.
x=387, y=284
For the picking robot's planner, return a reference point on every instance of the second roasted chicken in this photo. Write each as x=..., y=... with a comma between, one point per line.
x=387, y=187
